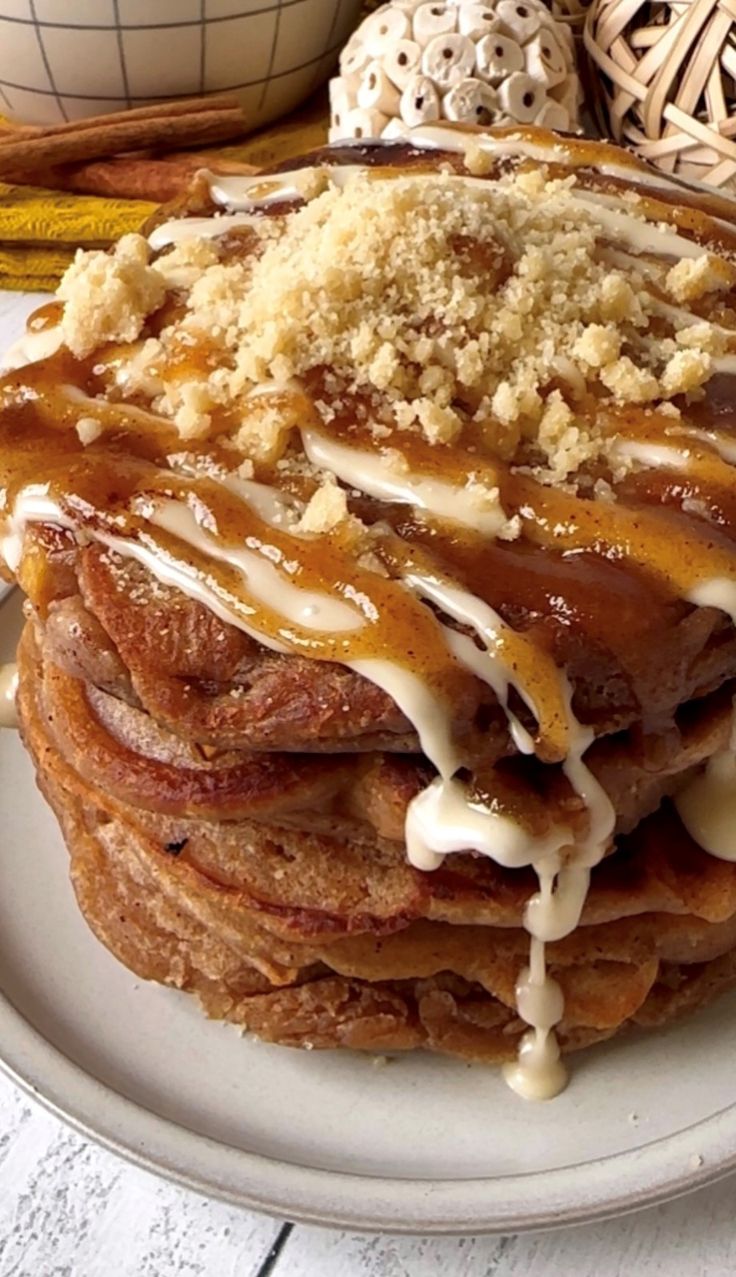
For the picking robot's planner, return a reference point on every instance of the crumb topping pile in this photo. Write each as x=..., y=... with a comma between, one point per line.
x=446, y=304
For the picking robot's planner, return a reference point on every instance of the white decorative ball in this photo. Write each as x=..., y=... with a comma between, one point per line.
x=412, y=62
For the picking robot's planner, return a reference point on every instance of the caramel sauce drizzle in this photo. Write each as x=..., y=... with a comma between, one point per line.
x=645, y=530
x=103, y=487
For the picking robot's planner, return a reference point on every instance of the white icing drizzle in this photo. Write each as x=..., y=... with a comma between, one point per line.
x=691, y=184
x=707, y=805
x=122, y=412
x=33, y=505
x=438, y=137
x=601, y=815
x=197, y=228
x=594, y=196
x=308, y=609
x=489, y=668
x=628, y=228
x=553, y=913
x=657, y=456
x=723, y=363
x=180, y=576
x=488, y=665
x=677, y=316
x=444, y=818
x=538, y=1072
x=423, y=710
x=31, y=347
x=717, y=592
x=724, y=445
x=8, y=690
x=377, y=476
x=243, y=198
x=276, y=508
x=674, y=456
x=541, y=1002
x=241, y=192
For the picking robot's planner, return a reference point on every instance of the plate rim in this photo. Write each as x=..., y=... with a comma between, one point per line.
x=615, y=1185
x=619, y=1184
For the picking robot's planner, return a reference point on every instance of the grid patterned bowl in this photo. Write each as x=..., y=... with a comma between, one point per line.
x=63, y=59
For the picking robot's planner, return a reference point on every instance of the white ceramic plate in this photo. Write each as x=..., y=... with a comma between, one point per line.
x=420, y=1145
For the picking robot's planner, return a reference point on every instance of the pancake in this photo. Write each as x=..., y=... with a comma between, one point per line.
x=180, y=903
x=376, y=519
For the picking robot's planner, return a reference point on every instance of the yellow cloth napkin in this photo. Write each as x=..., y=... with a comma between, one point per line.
x=40, y=230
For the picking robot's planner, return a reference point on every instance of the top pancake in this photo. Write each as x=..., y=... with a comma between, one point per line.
x=463, y=449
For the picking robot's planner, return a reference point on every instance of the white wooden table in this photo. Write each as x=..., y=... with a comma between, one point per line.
x=70, y=1209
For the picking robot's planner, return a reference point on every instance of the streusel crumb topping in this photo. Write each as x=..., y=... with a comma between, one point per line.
x=444, y=304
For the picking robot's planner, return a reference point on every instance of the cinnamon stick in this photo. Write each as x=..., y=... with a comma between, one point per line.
x=158, y=179
x=153, y=111
x=173, y=126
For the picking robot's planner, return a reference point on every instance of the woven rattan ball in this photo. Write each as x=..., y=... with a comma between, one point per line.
x=572, y=12
x=668, y=82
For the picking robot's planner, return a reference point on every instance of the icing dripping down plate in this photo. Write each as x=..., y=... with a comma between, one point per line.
x=418, y=1145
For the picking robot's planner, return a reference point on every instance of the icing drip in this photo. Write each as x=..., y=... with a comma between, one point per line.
x=374, y=474
x=489, y=664
x=718, y=592
x=444, y=819
x=305, y=608
x=8, y=689
x=32, y=346
x=538, y=1072
x=707, y=805
x=196, y=228
x=238, y=193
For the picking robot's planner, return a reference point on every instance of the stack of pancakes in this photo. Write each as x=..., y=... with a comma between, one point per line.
x=235, y=823
x=235, y=812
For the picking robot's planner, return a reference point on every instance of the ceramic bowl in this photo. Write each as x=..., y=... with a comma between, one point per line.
x=64, y=59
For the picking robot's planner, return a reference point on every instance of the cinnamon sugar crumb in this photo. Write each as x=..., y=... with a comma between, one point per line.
x=693, y=277
x=628, y=383
x=194, y=403
x=686, y=370
x=182, y=265
x=326, y=509
x=703, y=336
x=267, y=422
x=109, y=295
x=597, y=345
x=88, y=429
x=565, y=442
x=618, y=300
